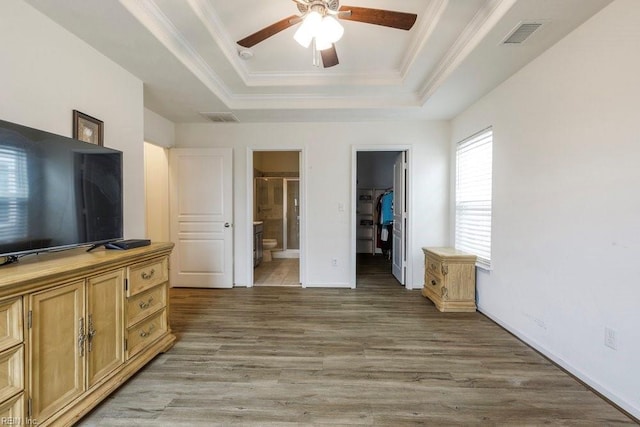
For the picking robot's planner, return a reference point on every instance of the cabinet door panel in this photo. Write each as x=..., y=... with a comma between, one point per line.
x=105, y=324
x=56, y=355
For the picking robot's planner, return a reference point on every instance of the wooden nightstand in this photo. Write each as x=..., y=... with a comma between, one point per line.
x=450, y=279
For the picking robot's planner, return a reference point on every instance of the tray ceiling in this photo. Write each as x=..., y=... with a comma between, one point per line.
x=186, y=54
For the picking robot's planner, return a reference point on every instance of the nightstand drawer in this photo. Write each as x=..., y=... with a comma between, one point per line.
x=435, y=266
x=143, y=304
x=147, y=275
x=433, y=283
x=11, y=372
x=144, y=333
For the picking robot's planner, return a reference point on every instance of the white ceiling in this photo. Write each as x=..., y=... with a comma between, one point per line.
x=186, y=54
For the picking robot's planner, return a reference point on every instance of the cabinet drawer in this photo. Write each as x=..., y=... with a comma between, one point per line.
x=13, y=410
x=10, y=323
x=145, y=332
x=143, y=304
x=147, y=275
x=435, y=266
x=11, y=372
x=434, y=283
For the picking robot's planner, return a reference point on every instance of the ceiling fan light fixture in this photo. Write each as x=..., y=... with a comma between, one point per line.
x=330, y=29
x=320, y=26
x=322, y=43
x=308, y=29
x=303, y=38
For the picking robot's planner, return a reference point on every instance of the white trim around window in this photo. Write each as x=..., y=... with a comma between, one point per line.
x=474, y=157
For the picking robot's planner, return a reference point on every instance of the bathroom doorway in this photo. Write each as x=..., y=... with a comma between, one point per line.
x=276, y=218
x=277, y=206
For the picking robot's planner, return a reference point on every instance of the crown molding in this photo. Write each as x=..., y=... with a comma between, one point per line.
x=214, y=25
x=148, y=13
x=432, y=18
x=306, y=101
x=484, y=20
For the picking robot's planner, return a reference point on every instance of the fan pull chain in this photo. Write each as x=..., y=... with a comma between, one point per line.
x=316, y=53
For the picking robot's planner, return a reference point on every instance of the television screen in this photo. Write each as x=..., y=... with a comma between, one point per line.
x=56, y=192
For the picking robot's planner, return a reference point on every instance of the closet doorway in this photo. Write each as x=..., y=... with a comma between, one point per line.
x=276, y=218
x=380, y=221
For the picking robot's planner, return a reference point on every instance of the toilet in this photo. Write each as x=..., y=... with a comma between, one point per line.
x=267, y=245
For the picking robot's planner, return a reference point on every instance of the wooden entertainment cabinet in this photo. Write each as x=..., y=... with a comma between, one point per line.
x=75, y=325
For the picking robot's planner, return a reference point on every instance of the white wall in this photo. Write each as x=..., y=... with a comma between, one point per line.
x=158, y=130
x=46, y=73
x=566, y=210
x=327, y=149
x=156, y=167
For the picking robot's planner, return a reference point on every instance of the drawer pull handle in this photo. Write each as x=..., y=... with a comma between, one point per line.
x=144, y=333
x=433, y=282
x=148, y=276
x=144, y=305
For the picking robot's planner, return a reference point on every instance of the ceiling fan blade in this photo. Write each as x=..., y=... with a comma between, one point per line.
x=329, y=57
x=269, y=31
x=387, y=18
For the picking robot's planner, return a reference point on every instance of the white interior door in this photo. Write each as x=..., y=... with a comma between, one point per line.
x=399, y=218
x=201, y=196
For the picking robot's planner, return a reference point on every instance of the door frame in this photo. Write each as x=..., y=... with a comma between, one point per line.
x=408, y=202
x=303, y=211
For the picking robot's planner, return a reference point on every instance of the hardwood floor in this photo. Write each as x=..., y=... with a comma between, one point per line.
x=376, y=355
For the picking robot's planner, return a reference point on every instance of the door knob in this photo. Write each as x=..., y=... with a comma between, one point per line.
x=227, y=225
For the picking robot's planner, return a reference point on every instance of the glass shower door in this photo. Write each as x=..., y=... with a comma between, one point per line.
x=293, y=214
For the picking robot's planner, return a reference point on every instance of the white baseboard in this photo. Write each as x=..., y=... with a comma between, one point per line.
x=585, y=378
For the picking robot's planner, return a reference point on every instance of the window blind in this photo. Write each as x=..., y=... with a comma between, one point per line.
x=14, y=192
x=473, y=196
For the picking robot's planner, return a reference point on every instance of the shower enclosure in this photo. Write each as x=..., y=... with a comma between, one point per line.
x=277, y=205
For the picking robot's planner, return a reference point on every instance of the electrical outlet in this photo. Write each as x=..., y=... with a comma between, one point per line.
x=334, y=262
x=610, y=338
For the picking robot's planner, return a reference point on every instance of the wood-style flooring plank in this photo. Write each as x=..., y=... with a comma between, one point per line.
x=378, y=355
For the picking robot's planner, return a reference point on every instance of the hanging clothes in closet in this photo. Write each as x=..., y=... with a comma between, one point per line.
x=384, y=210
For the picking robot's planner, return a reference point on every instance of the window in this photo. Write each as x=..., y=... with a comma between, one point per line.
x=13, y=194
x=473, y=196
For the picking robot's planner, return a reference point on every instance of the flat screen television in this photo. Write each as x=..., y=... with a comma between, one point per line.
x=56, y=192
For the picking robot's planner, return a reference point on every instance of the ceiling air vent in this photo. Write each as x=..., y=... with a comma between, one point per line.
x=522, y=32
x=221, y=117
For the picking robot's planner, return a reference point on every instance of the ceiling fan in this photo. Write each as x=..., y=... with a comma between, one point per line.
x=320, y=27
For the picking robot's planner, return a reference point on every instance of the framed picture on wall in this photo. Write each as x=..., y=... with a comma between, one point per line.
x=87, y=128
